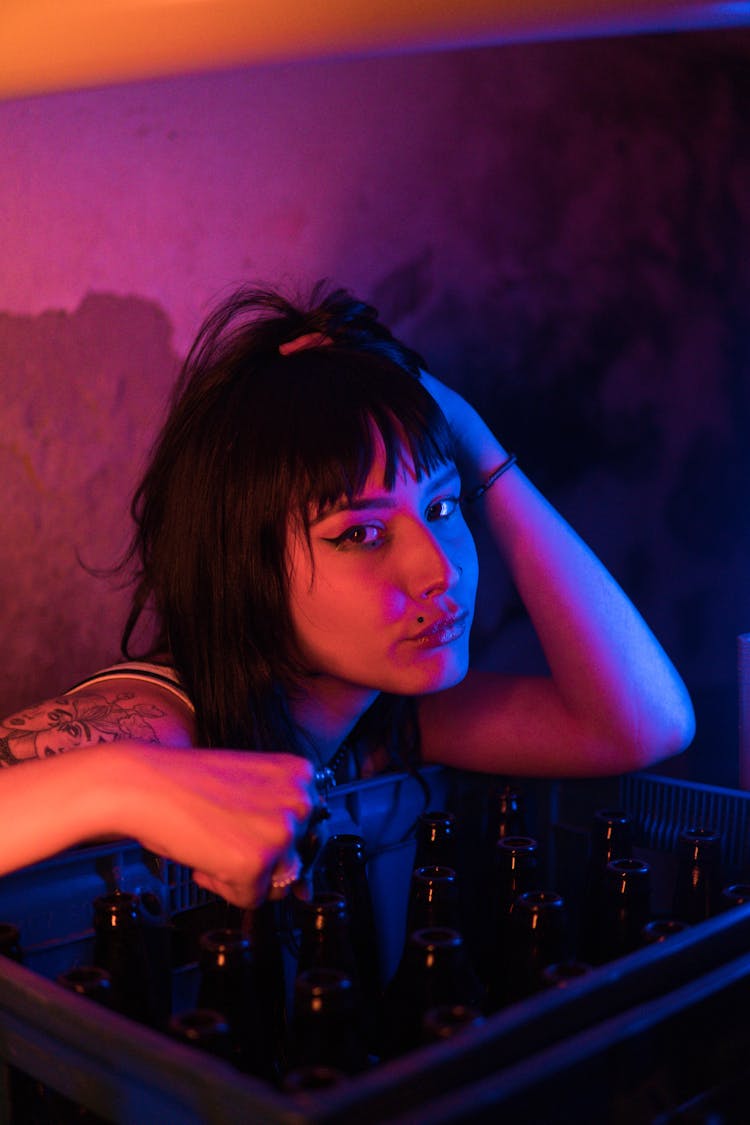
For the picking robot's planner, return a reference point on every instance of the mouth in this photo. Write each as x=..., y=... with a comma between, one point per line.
x=442, y=632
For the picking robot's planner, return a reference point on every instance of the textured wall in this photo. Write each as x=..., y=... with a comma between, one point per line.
x=562, y=229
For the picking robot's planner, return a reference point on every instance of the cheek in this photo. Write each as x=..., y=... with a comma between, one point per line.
x=466, y=557
x=343, y=602
x=363, y=598
x=334, y=612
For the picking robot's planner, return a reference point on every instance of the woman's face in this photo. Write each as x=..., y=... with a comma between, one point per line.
x=384, y=598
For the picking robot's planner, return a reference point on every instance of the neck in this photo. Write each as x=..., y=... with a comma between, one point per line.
x=325, y=716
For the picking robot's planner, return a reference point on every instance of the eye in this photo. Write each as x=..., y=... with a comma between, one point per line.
x=442, y=509
x=361, y=535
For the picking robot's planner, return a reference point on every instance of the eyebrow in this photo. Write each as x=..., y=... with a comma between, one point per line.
x=384, y=500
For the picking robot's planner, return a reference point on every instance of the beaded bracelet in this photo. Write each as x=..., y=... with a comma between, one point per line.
x=477, y=493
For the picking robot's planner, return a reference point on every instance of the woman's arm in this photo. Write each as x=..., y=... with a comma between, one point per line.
x=613, y=701
x=231, y=816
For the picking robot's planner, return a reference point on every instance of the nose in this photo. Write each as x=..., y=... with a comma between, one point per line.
x=433, y=570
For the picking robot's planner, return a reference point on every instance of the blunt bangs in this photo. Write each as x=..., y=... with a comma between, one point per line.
x=335, y=403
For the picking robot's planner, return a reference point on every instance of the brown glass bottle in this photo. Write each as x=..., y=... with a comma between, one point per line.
x=326, y=1026
x=434, y=899
x=435, y=970
x=325, y=938
x=660, y=929
x=89, y=981
x=343, y=869
x=436, y=840
x=447, y=1020
x=228, y=985
x=611, y=837
x=563, y=974
x=699, y=880
x=505, y=813
x=515, y=870
x=736, y=894
x=120, y=948
x=325, y=943
x=204, y=1029
x=624, y=909
x=504, y=818
x=263, y=926
x=537, y=937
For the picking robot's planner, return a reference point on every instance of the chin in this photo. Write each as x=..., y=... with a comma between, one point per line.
x=441, y=680
x=448, y=682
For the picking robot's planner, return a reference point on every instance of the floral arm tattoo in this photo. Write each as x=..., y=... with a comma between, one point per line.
x=75, y=721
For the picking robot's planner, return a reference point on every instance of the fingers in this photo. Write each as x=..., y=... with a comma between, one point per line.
x=253, y=882
x=242, y=895
x=235, y=818
x=266, y=782
x=284, y=875
x=269, y=863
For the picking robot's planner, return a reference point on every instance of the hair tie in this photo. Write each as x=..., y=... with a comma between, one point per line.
x=508, y=463
x=301, y=343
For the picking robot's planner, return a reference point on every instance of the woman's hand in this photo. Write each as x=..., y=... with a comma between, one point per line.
x=234, y=817
x=118, y=759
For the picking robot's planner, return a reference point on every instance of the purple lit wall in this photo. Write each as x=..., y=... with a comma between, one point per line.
x=562, y=229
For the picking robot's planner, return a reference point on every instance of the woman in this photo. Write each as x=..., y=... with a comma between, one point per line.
x=301, y=545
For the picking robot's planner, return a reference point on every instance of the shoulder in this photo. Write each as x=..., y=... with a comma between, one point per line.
x=114, y=705
x=150, y=673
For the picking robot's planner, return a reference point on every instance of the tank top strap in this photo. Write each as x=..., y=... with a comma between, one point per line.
x=161, y=674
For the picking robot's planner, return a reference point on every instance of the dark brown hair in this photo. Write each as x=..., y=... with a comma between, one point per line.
x=253, y=439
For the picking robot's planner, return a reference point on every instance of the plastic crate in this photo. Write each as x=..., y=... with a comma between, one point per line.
x=678, y=1058
x=131, y=1075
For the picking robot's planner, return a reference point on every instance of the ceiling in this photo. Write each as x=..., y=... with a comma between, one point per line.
x=48, y=45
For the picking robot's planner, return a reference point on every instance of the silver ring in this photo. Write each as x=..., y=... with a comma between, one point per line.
x=282, y=884
x=287, y=876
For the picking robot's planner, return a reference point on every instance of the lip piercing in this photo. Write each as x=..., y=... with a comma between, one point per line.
x=420, y=620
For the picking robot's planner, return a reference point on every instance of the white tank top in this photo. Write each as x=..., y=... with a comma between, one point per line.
x=139, y=670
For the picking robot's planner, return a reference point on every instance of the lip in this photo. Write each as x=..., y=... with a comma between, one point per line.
x=442, y=632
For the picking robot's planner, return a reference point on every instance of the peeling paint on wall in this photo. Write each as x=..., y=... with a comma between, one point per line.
x=81, y=395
